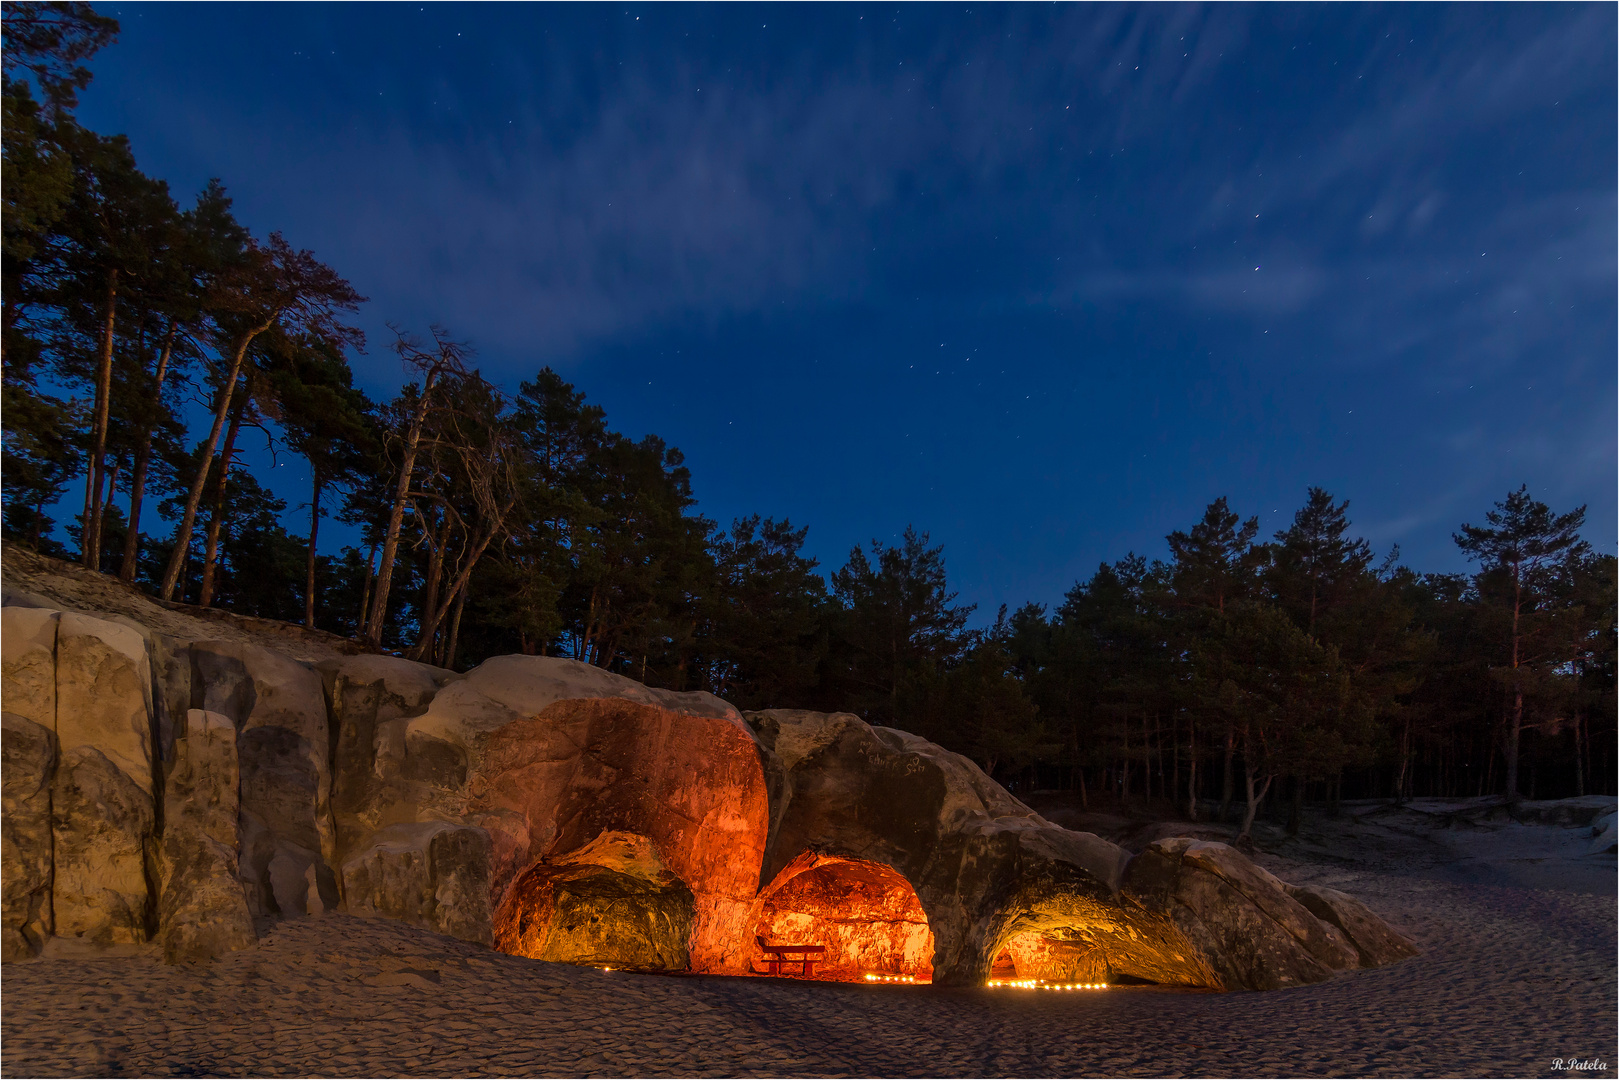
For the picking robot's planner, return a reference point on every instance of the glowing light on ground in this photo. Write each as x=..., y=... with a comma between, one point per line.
x=1040, y=984
x=892, y=979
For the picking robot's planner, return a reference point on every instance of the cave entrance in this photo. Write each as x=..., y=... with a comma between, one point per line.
x=866, y=915
x=612, y=904
x=1062, y=937
x=1060, y=955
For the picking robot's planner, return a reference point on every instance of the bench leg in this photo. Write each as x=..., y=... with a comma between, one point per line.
x=809, y=968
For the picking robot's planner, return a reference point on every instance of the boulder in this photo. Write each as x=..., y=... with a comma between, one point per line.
x=985, y=868
x=1242, y=919
x=27, y=767
x=547, y=755
x=202, y=912
x=1374, y=942
x=433, y=874
x=278, y=707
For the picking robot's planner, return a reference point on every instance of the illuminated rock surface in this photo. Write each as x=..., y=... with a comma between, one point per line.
x=867, y=916
x=557, y=811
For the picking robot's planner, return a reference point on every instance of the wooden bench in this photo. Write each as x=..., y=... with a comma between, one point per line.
x=776, y=955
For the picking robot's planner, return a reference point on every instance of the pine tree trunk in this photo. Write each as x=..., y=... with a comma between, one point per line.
x=314, y=528
x=1191, y=770
x=90, y=536
x=188, y=521
x=1516, y=734
x=430, y=592
x=1253, y=800
x=1225, y=779
x=107, y=507
x=396, y=518
x=210, y=559
x=1579, y=755
x=365, y=590
x=455, y=630
x=143, y=458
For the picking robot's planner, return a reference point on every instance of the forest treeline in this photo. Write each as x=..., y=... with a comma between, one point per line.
x=147, y=343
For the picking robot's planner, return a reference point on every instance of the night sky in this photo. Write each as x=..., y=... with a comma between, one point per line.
x=1043, y=281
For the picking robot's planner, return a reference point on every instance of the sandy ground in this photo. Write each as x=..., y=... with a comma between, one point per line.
x=1512, y=978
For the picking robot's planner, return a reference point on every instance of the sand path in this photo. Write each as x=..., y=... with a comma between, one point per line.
x=1510, y=980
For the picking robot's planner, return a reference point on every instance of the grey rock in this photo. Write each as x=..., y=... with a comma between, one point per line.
x=432, y=873
x=278, y=706
x=1375, y=943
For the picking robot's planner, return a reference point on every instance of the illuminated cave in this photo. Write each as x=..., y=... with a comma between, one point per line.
x=1060, y=955
x=611, y=904
x=867, y=915
x=1056, y=935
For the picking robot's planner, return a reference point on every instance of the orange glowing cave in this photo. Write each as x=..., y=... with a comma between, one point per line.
x=866, y=915
x=1060, y=956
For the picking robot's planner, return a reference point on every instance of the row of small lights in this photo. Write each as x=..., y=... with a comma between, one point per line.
x=1036, y=984
x=890, y=978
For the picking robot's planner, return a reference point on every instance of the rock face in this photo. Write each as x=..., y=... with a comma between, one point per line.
x=278, y=708
x=27, y=767
x=986, y=869
x=102, y=804
x=179, y=789
x=1254, y=934
x=432, y=873
x=202, y=911
x=549, y=756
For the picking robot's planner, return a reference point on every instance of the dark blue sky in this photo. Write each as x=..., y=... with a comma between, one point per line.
x=1043, y=281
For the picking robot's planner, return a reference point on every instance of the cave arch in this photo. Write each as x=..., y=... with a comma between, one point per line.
x=867, y=914
x=1059, y=935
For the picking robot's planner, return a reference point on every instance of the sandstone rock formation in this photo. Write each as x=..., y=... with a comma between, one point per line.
x=202, y=910
x=162, y=788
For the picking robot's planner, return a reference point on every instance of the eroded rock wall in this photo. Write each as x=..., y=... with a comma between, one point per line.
x=168, y=790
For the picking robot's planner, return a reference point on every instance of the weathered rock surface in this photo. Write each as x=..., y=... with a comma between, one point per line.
x=1374, y=943
x=558, y=811
x=27, y=767
x=548, y=755
x=28, y=663
x=611, y=903
x=432, y=873
x=278, y=707
x=1252, y=932
x=202, y=912
x=985, y=868
x=373, y=698
x=102, y=804
x=101, y=826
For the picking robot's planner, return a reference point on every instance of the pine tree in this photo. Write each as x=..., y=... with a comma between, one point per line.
x=1526, y=554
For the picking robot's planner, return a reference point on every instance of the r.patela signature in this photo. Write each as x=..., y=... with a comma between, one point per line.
x=1579, y=1064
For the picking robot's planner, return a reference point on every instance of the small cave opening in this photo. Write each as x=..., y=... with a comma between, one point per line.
x=1057, y=955
x=865, y=915
x=611, y=905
